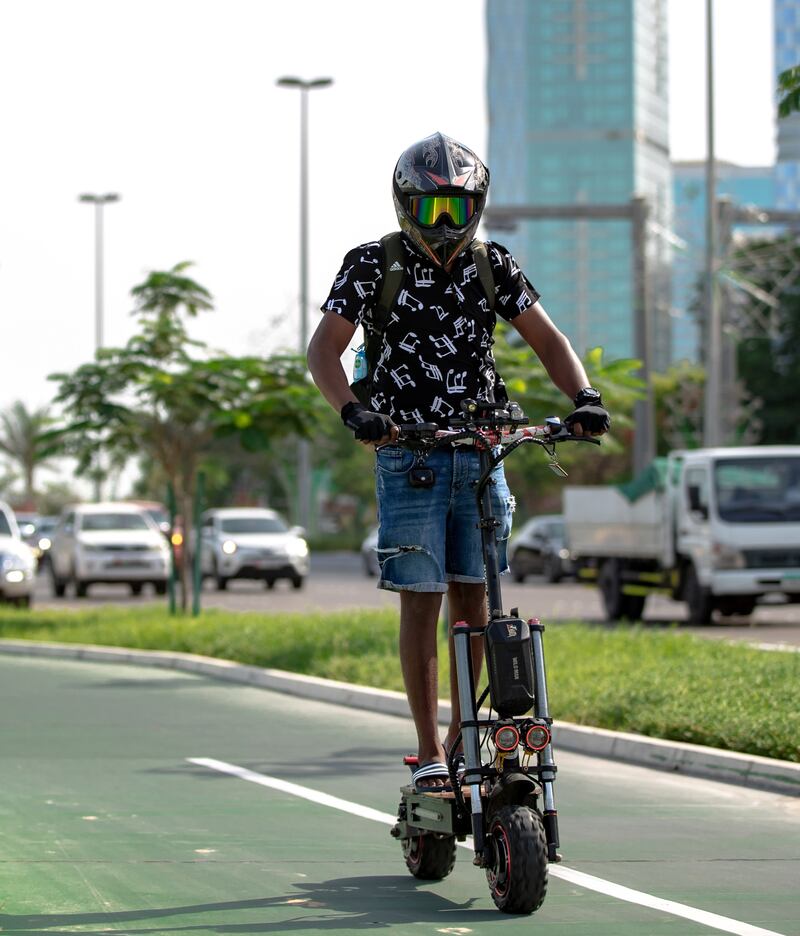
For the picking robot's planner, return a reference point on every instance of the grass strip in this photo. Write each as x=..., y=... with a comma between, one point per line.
x=663, y=683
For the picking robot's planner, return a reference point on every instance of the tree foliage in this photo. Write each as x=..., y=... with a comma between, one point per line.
x=168, y=399
x=769, y=361
x=789, y=87
x=28, y=441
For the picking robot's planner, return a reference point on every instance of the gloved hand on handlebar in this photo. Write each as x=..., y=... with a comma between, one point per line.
x=589, y=417
x=367, y=426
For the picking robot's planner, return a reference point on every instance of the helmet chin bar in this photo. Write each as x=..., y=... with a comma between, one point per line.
x=445, y=249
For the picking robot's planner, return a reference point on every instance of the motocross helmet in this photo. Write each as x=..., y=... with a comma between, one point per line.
x=439, y=189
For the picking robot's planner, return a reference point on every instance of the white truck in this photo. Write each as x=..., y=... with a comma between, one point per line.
x=718, y=528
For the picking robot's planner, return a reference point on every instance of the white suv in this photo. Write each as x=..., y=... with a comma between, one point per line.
x=114, y=542
x=254, y=543
x=17, y=561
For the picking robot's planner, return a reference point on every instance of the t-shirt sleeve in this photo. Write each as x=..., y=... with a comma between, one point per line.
x=356, y=289
x=514, y=292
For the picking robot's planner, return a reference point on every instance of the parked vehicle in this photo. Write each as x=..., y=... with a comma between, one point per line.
x=108, y=543
x=540, y=548
x=252, y=543
x=40, y=539
x=716, y=528
x=17, y=561
x=369, y=555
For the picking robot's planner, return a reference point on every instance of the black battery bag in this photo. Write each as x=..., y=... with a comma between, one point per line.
x=509, y=660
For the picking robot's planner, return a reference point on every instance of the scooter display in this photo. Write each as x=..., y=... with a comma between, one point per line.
x=501, y=786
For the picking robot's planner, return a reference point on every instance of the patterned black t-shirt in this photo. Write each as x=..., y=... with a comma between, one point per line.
x=437, y=348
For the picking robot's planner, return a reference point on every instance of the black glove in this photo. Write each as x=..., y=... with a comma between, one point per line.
x=589, y=413
x=367, y=426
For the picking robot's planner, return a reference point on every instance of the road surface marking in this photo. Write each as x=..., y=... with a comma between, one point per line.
x=587, y=881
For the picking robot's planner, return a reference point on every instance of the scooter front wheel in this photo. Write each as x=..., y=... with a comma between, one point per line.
x=517, y=874
x=430, y=856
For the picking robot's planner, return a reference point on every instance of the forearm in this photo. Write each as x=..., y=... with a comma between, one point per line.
x=330, y=377
x=562, y=364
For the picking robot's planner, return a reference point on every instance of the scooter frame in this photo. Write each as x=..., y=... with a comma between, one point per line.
x=481, y=789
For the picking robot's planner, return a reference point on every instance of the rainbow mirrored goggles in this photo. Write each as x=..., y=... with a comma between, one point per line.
x=427, y=210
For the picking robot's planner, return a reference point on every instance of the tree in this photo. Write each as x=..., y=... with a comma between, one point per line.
x=789, y=86
x=528, y=383
x=168, y=398
x=27, y=440
x=769, y=359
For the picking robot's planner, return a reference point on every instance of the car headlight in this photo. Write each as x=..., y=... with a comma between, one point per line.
x=229, y=547
x=45, y=544
x=15, y=567
x=297, y=548
x=563, y=554
x=727, y=557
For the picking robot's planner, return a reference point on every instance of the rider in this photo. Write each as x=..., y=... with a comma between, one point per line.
x=436, y=351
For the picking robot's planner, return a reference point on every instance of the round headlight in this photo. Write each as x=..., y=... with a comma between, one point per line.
x=229, y=547
x=537, y=737
x=506, y=738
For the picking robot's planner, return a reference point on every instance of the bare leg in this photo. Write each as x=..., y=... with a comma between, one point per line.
x=466, y=602
x=419, y=614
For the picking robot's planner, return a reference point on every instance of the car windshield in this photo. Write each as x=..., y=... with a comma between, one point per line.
x=5, y=529
x=47, y=524
x=758, y=490
x=253, y=525
x=113, y=521
x=554, y=529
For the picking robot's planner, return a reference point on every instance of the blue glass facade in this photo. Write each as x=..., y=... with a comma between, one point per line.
x=787, y=54
x=577, y=96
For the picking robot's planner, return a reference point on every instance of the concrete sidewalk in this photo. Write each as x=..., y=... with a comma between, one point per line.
x=691, y=759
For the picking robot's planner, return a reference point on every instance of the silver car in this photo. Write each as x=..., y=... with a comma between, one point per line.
x=113, y=542
x=17, y=561
x=252, y=543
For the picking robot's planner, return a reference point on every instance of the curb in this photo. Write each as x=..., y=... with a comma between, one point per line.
x=695, y=760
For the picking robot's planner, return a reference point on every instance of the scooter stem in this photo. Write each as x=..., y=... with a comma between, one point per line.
x=469, y=730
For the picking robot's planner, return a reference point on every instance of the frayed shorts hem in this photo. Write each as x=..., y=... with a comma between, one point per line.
x=430, y=587
x=466, y=579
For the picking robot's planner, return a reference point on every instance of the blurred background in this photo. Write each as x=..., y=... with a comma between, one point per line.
x=139, y=136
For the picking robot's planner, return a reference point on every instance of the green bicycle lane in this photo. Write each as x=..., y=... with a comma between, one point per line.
x=107, y=827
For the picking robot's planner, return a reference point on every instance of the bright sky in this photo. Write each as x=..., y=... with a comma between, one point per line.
x=173, y=104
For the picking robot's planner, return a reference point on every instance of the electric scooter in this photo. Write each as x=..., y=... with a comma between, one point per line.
x=501, y=790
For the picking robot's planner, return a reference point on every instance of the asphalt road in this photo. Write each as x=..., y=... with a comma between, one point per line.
x=337, y=580
x=109, y=827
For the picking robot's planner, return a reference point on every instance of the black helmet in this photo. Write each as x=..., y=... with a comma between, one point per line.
x=439, y=190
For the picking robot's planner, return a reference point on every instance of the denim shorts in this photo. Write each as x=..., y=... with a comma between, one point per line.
x=428, y=537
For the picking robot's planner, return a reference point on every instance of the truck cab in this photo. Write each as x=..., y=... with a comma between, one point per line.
x=735, y=525
x=718, y=528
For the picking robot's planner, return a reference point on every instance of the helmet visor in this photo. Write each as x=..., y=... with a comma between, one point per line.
x=427, y=210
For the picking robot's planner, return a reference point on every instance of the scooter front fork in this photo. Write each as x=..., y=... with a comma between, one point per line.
x=542, y=710
x=469, y=732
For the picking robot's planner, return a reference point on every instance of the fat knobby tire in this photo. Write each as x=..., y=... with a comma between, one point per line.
x=430, y=857
x=518, y=880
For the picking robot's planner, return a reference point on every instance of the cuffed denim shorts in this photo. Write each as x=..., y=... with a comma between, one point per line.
x=428, y=537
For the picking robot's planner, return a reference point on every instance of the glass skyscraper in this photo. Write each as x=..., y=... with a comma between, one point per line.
x=577, y=95
x=787, y=54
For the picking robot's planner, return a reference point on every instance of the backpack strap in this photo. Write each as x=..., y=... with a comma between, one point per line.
x=480, y=254
x=394, y=268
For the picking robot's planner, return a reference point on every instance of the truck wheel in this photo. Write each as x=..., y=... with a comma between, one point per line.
x=609, y=581
x=740, y=605
x=699, y=600
x=633, y=607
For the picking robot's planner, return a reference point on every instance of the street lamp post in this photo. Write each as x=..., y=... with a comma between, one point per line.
x=712, y=429
x=304, y=449
x=99, y=202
